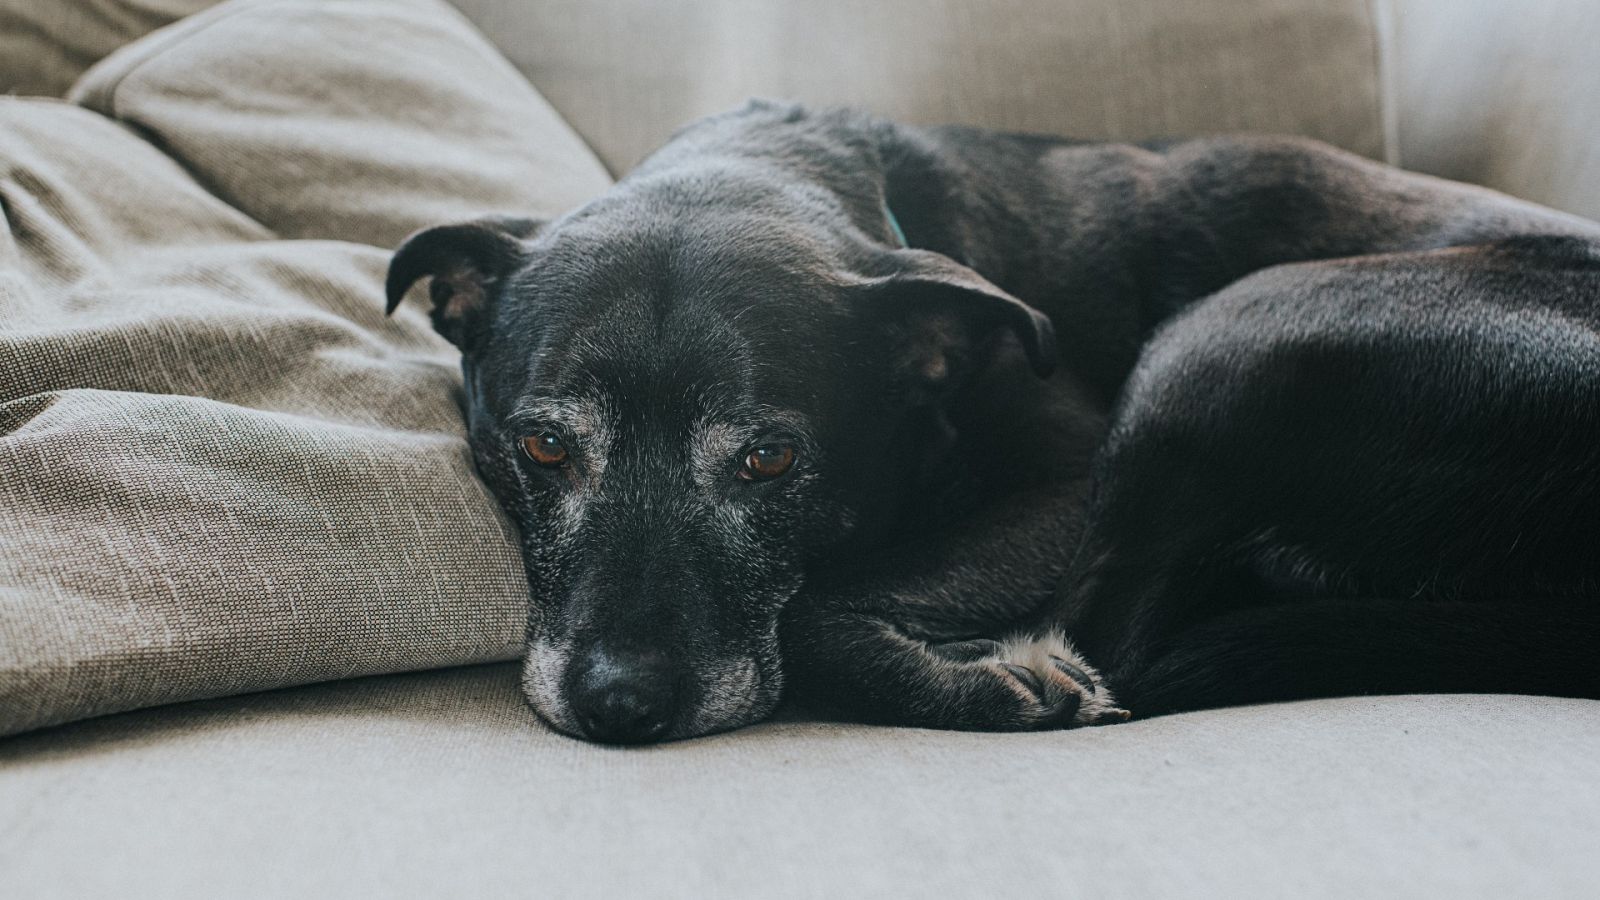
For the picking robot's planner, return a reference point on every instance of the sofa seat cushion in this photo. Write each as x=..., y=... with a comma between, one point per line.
x=444, y=784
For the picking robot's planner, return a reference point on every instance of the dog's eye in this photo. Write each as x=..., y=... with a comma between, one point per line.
x=545, y=448
x=767, y=461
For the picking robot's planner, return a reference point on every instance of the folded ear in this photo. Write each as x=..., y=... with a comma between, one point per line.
x=464, y=261
x=939, y=309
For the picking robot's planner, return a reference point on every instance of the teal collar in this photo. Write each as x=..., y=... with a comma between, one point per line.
x=894, y=224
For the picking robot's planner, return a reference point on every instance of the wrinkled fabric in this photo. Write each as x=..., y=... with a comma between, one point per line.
x=45, y=45
x=222, y=469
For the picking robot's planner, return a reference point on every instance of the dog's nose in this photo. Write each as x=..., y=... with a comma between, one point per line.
x=625, y=697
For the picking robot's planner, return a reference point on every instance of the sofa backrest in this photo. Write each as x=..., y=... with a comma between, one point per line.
x=1490, y=91
x=1504, y=93
x=626, y=72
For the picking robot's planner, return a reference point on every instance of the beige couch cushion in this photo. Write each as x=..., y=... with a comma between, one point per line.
x=223, y=469
x=1502, y=94
x=626, y=73
x=442, y=784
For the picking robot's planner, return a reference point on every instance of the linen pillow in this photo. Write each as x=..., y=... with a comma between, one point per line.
x=46, y=44
x=357, y=120
x=221, y=468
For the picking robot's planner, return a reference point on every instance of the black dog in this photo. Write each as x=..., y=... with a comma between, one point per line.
x=1320, y=427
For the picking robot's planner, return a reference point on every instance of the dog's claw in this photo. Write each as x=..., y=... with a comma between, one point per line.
x=1026, y=676
x=1075, y=673
x=969, y=651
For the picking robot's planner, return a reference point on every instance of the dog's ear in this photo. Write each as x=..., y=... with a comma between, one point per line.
x=938, y=310
x=464, y=261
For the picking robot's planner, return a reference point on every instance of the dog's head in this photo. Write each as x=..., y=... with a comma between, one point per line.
x=686, y=393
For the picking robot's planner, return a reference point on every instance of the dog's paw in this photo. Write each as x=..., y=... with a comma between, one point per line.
x=1027, y=683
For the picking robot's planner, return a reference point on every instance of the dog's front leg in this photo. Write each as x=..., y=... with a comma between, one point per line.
x=898, y=639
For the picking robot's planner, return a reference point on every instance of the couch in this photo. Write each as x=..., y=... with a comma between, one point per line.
x=257, y=616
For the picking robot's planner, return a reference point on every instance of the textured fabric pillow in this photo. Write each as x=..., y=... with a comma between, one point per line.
x=221, y=468
x=46, y=44
x=626, y=73
x=357, y=120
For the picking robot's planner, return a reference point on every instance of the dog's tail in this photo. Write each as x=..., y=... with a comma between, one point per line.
x=1326, y=648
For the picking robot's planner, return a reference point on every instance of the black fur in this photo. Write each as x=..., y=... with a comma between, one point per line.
x=1318, y=427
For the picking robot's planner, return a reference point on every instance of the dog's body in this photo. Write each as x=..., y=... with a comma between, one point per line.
x=1320, y=427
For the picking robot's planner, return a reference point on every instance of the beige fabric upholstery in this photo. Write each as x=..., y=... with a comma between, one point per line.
x=237, y=475
x=223, y=469
x=356, y=121
x=627, y=72
x=1503, y=94
x=443, y=785
x=1480, y=90
x=46, y=44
